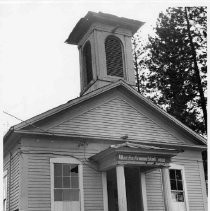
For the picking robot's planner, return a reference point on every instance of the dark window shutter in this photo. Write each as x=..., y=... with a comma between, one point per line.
x=114, y=57
x=88, y=62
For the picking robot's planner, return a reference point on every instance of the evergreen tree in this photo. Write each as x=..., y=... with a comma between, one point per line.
x=171, y=67
x=172, y=72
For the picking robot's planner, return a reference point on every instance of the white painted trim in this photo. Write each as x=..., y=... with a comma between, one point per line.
x=121, y=188
x=52, y=184
x=102, y=28
x=5, y=188
x=166, y=189
x=123, y=50
x=105, y=193
x=203, y=185
x=180, y=167
x=81, y=187
x=97, y=92
x=5, y=173
x=143, y=190
x=71, y=160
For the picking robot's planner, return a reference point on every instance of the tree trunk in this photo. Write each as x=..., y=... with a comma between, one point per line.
x=200, y=88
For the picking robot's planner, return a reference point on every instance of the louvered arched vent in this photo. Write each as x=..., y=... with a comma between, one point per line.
x=114, y=56
x=88, y=63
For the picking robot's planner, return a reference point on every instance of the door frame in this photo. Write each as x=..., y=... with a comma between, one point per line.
x=142, y=189
x=69, y=160
x=180, y=167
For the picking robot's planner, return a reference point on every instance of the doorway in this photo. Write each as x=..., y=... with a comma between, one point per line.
x=112, y=190
x=133, y=189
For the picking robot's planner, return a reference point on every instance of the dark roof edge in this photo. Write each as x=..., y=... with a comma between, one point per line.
x=97, y=92
x=61, y=107
x=8, y=133
x=85, y=23
x=173, y=119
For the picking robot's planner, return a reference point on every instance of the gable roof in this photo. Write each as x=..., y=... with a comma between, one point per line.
x=114, y=118
x=120, y=83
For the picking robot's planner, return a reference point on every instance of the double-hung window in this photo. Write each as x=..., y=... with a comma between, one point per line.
x=176, y=181
x=66, y=184
x=178, y=188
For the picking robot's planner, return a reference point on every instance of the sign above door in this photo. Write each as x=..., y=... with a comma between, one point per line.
x=131, y=154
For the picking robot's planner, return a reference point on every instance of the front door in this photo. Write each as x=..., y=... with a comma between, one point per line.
x=177, y=190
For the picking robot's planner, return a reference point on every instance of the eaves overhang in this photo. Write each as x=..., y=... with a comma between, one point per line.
x=120, y=83
x=102, y=18
x=108, y=139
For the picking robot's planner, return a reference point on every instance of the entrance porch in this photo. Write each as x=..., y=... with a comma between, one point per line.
x=123, y=167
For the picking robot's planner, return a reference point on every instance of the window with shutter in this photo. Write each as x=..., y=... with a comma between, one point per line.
x=87, y=63
x=114, y=56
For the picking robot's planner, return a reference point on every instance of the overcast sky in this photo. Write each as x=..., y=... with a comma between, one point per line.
x=38, y=71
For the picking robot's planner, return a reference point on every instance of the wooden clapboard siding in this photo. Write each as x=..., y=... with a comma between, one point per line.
x=191, y=160
x=93, y=193
x=114, y=119
x=38, y=173
x=155, y=200
x=13, y=182
x=194, y=178
x=38, y=182
x=6, y=168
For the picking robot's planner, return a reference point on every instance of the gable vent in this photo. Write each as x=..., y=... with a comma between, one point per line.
x=114, y=59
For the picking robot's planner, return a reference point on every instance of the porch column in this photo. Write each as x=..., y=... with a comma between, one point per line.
x=166, y=189
x=105, y=193
x=121, y=189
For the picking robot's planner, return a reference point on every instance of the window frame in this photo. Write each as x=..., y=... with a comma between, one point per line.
x=177, y=190
x=180, y=167
x=123, y=56
x=84, y=63
x=80, y=171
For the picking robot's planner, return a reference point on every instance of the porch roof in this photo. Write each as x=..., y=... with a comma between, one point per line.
x=145, y=156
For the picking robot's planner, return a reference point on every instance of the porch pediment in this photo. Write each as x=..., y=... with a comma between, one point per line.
x=131, y=154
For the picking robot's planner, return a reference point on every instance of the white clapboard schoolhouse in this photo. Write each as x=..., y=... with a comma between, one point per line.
x=111, y=149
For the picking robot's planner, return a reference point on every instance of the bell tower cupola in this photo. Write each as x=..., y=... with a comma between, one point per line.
x=104, y=43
